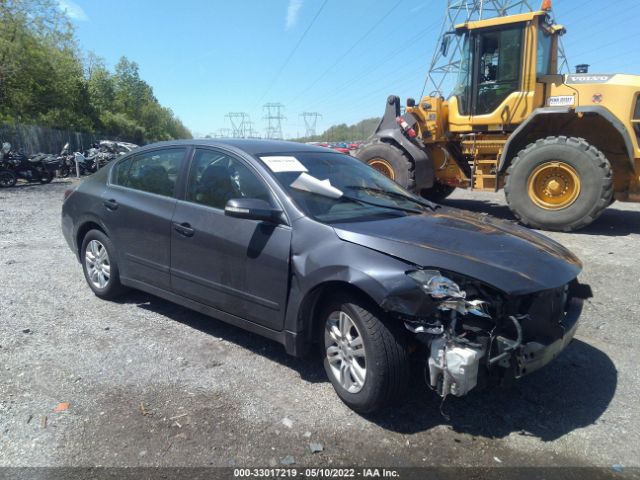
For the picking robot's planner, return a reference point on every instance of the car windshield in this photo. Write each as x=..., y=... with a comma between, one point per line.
x=337, y=188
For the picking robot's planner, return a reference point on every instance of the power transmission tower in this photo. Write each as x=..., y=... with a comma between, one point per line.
x=448, y=52
x=224, y=132
x=274, y=117
x=251, y=132
x=240, y=124
x=310, y=122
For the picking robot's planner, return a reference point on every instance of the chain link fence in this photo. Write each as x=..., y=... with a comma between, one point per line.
x=34, y=139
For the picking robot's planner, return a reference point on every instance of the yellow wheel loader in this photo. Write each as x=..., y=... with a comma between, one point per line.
x=563, y=147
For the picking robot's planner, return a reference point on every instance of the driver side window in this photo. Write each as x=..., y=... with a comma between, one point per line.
x=215, y=178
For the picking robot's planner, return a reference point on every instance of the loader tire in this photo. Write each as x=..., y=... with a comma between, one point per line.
x=391, y=162
x=559, y=183
x=437, y=193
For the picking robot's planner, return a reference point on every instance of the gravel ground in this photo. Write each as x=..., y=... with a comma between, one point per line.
x=150, y=383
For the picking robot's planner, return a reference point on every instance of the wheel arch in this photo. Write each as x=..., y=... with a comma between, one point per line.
x=310, y=306
x=85, y=227
x=597, y=125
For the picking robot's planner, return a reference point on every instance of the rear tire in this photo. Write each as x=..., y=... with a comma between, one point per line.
x=46, y=176
x=7, y=178
x=437, y=193
x=64, y=172
x=391, y=162
x=99, y=265
x=380, y=375
x=559, y=183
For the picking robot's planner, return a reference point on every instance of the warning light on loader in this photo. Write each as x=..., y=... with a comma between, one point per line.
x=546, y=5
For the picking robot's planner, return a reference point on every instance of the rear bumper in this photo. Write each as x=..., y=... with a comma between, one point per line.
x=533, y=355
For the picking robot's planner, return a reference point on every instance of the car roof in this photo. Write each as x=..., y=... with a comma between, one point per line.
x=251, y=146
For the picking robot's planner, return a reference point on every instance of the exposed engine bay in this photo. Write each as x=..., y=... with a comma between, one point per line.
x=475, y=332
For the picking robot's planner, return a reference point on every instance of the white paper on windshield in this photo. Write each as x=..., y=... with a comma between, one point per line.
x=284, y=164
x=309, y=183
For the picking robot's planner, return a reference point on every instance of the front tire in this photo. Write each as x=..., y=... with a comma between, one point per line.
x=365, y=358
x=391, y=162
x=7, y=179
x=99, y=265
x=559, y=183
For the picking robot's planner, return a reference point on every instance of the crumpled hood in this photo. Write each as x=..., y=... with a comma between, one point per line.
x=497, y=252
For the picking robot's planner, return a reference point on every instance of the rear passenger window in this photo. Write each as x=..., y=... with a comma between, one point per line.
x=153, y=172
x=121, y=172
x=215, y=178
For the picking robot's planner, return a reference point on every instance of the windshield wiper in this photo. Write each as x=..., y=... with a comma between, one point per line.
x=388, y=193
x=381, y=205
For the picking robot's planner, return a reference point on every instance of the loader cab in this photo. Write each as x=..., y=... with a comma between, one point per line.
x=502, y=63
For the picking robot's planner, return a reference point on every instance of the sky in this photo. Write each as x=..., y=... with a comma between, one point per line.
x=340, y=58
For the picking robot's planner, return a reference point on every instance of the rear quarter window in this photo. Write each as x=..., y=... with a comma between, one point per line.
x=154, y=172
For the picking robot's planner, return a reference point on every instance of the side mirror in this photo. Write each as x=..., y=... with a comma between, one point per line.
x=252, y=209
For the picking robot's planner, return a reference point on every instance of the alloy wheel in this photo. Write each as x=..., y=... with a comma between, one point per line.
x=345, y=351
x=97, y=264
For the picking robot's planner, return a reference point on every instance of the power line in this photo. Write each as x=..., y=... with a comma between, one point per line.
x=293, y=51
x=605, y=45
x=370, y=69
x=354, y=45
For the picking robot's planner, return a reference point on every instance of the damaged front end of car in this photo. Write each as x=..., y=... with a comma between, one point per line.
x=472, y=333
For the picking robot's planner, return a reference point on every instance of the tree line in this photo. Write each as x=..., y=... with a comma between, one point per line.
x=345, y=133
x=46, y=80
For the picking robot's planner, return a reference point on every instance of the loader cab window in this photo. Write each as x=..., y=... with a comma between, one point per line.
x=462, y=89
x=489, y=69
x=498, y=71
x=545, y=43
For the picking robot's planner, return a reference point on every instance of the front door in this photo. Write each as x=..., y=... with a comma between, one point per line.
x=491, y=91
x=235, y=265
x=139, y=203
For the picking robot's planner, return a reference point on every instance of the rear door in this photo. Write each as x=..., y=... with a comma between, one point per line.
x=138, y=206
x=235, y=265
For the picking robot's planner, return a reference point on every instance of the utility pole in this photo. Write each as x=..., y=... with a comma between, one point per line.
x=274, y=117
x=448, y=52
x=310, y=122
x=240, y=124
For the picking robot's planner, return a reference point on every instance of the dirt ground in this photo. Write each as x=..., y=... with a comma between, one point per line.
x=150, y=383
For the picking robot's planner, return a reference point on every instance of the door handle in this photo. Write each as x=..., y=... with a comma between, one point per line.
x=184, y=229
x=111, y=204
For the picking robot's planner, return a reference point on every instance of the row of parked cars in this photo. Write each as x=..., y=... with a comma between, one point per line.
x=43, y=167
x=342, y=147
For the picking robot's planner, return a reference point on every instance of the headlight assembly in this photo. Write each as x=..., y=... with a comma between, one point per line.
x=447, y=293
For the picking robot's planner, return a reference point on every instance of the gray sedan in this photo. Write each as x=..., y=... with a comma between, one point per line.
x=307, y=246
